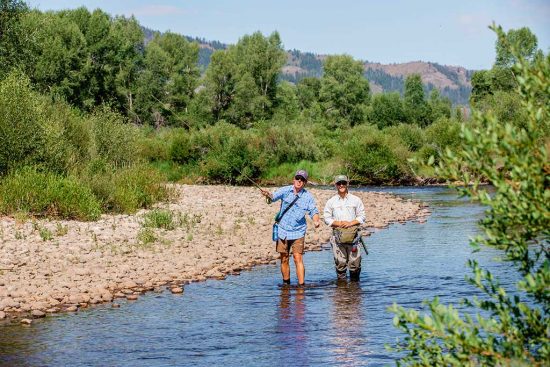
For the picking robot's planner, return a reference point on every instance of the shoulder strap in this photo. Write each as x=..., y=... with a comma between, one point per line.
x=286, y=209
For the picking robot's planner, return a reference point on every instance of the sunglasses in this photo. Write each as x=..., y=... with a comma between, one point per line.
x=300, y=178
x=341, y=183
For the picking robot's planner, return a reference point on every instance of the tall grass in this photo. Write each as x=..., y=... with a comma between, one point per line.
x=44, y=193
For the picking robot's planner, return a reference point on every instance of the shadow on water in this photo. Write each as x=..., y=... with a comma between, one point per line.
x=252, y=320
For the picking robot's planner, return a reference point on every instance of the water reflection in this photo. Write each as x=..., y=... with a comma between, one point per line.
x=291, y=323
x=348, y=321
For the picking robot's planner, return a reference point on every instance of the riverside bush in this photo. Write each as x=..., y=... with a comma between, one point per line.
x=113, y=140
x=372, y=157
x=412, y=136
x=21, y=131
x=290, y=143
x=127, y=189
x=47, y=194
x=231, y=155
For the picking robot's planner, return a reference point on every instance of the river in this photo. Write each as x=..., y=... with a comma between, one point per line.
x=252, y=320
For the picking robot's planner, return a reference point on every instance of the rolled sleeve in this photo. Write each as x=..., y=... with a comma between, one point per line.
x=327, y=214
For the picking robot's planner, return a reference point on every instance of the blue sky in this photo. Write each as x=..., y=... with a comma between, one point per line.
x=446, y=32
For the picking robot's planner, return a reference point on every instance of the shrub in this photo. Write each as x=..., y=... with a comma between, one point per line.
x=231, y=155
x=21, y=131
x=113, y=140
x=159, y=219
x=290, y=143
x=45, y=193
x=412, y=136
x=373, y=157
x=125, y=190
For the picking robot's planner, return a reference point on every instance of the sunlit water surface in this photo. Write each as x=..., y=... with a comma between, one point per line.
x=252, y=320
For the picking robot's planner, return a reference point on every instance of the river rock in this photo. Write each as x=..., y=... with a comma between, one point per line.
x=37, y=314
x=26, y=321
x=71, y=309
x=176, y=290
x=2, y=315
x=132, y=297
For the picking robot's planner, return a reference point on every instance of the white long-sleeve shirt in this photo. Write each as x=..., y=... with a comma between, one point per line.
x=347, y=209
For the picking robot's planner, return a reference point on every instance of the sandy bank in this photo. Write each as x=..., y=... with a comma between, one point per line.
x=220, y=230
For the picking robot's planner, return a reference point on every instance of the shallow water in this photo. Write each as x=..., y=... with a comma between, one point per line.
x=252, y=320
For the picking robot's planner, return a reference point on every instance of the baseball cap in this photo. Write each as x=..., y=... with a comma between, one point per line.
x=301, y=172
x=340, y=178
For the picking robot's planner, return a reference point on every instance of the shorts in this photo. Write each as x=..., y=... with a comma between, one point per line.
x=297, y=245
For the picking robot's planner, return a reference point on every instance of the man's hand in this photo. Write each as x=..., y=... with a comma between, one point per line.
x=267, y=195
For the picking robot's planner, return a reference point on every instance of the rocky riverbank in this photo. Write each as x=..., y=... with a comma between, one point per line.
x=50, y=266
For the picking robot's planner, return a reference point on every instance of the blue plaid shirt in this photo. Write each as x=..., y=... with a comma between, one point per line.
x=293, y=225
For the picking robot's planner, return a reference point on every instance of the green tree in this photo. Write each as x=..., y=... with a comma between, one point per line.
x=439, y=106
x=241, y=81
x=345, y=92
x=12, y=38
x=167, y=84
x=481, y=86
x=386, y=110
x=416, y=107
x=57, y=55
x=515, y=327
x=526, y=43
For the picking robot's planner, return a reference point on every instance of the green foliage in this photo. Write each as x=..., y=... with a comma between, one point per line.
x=372, y=157
x=113, y=140
x=386, y=110
x=526, y=43
x=442, y=135
x=344, y=90
x=20, y=127
x=290, y=143
x=12, y=36
x=231, y=155
x=159, y=218
x=125, y=190
x=47, y=194
x=167, y=84
x=241, y=82
x=416, y=107
x=514, y=328
x=410, y=136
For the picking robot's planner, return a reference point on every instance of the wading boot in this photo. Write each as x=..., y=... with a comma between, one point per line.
x=354, y=275
x=341, y=275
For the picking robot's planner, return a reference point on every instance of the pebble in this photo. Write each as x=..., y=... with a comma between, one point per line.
x=115, y=305
x=176, y=290
x=132, y=297
x=26, y=321
x=71, y=309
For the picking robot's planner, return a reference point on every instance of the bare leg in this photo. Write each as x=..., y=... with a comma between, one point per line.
x=300, y=270
x=285, y=268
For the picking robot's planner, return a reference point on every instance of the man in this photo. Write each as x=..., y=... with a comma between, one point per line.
x=345, y=212
x=292, y=225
